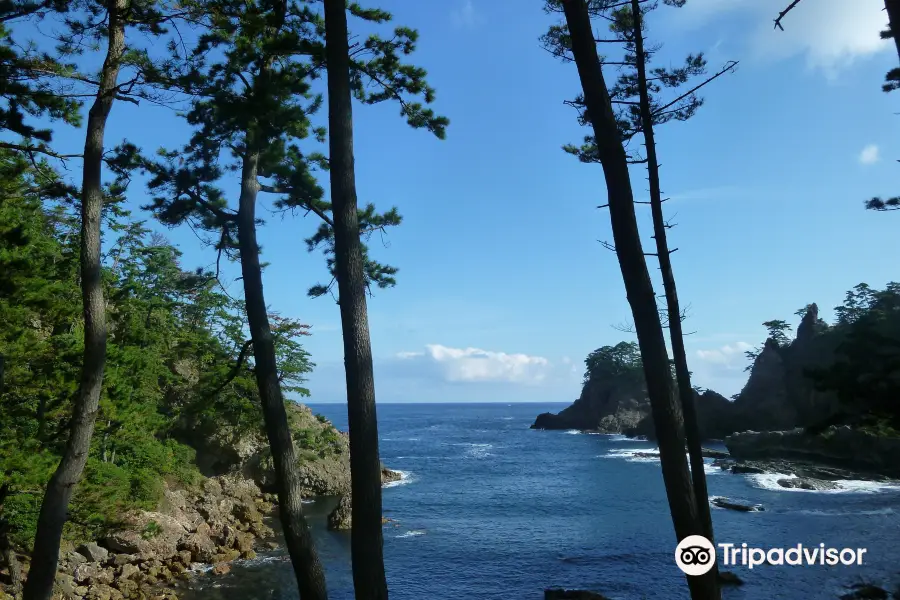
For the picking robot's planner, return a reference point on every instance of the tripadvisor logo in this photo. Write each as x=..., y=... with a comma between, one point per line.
x=696, y=555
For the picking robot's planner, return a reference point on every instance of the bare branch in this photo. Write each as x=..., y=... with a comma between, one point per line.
x=729, y=67
x=782, y=14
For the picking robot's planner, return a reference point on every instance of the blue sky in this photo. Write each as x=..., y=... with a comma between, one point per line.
x=503, y=285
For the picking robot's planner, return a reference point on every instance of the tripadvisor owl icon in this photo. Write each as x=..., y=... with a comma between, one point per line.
x=695, y=555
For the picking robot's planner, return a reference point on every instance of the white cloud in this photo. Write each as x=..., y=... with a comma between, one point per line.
x=466, y=16
x=726, y=355
x=468, y=365
x=869, y=155
x=831, y=34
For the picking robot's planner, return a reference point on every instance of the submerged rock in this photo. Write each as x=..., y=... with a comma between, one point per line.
x=561, y=594
x=738, y=505
x=805, y=483
x=865, y=591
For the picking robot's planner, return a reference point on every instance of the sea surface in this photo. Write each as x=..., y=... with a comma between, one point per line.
x=491, y=509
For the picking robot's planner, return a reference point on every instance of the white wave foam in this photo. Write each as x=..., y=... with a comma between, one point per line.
x=405, y=477
x=412, y=440
x=574, y=432
x=651, y=455
x=618, y=437
x=409, y=534
x=769, y=481
x=478, y=450
x=507, y=418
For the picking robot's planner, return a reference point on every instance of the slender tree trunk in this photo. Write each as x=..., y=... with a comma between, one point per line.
x=365, y=465
x=54, y=508
x=307, y=567
x=893, y=10
x=663, y=400
x=676, y=335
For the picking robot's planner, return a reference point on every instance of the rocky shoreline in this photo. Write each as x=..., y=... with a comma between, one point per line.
x=205, y=527
x=191, y=533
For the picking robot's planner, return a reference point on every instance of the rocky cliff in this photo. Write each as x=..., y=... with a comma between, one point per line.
x=778, y=394
x=323, y=452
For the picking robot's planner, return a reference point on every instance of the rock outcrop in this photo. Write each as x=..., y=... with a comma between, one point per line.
x=842, y=447
x=778, y=394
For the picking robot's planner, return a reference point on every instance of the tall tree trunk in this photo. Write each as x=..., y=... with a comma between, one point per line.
x=676, y=335
x=54, y=508
x=7, y=552
x=365, y=465
x=893, y=10
x=663, y=400
x=307, y=567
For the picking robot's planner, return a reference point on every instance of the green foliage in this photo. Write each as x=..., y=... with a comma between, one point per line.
x=618, y=19
x=623, y=359
x=778, y=331
x=866, y=373
x=173, y=341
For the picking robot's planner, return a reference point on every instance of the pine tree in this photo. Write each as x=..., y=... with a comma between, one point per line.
x=106, y=21
x=612, y=155
x=27, y=83
x=394, y=79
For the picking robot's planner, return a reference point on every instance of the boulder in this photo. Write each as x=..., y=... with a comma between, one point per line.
x=150, y=534
x=93, y=552
x=340, y=518
x=200, y=545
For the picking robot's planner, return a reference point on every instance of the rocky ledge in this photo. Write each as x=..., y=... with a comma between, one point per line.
x=836, y=447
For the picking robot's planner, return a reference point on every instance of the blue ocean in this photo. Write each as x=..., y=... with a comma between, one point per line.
x=491, y=509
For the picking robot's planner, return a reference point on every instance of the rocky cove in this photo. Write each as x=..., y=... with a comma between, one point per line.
x=228, y=515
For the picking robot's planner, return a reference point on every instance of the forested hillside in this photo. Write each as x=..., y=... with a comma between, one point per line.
x=173, y=349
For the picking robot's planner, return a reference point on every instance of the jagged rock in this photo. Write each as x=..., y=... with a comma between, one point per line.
x=93, y=552
x=124, y=559
x=735, y=504
x=609, y=406
x=222, y=569
x=560, y=594
x=200, y=545
x=86, y=572
x=103, y=592
x=340, y=518
x=708, y=453
x=805, y=483
x=840, y=447
x=388, y=476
